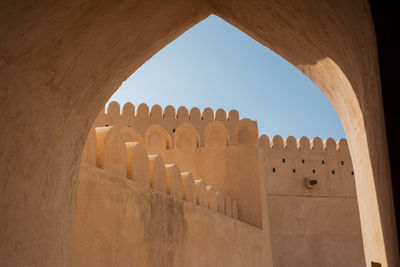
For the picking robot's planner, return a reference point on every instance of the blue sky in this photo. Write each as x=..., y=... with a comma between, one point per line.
x=215, y=65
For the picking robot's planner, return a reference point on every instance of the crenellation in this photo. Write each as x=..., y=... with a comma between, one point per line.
x=110, y=151
x=246, y=133
x=183, y=114
x=195, y=115
x=207, y=115
x=277, y=143
x=304, y=144
x=201, y=193
x=179, y=137
x=122, y=152
x=186, y=137
x=130, y=135
x=174, y=181
x=290, y=162
x=233, y=116
x=158, y=174
x=290, y=144
x=137, y=163
x=156, y=113
x=220, y=115
x=168, y=118
x=189, y=190
x=211, y=197
x=113, y=109
x=220, y=203
x=157, y=139
x=217, y=163
x=169, y=113
x=128, y=111
x=330, y=145
x=216, y=135
x=317, y=145
x=143, y=112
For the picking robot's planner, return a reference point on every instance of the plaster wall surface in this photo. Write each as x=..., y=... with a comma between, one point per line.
x=122, y=223
x=61, y=61
x=307, y=225
x=312, y=225
x=221, y=151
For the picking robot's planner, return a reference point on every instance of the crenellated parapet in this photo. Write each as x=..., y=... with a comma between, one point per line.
x=207, y=144
x=304, y=167
x=144, y=117
x=122, y=152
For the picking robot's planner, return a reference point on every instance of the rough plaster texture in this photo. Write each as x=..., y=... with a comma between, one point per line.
x=61, y=61
x=312, y=225
x=122, y=223
x=323, y=219
x=223, y=154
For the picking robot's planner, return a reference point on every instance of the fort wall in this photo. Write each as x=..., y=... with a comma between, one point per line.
x=312, y=202
x=299, y=194
x=133, y=209
x=220, y=149
x=119, y=222
x=142, y=117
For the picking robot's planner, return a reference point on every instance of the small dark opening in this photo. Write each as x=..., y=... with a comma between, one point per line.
x=173, y=130
x=273, y=169
x=106, y=125
x=352, y=173
x=313, y=182
x=302, y=161
x=294, y=170
x=283, y=160
x=333, y=171
x=323, y=162
x=342, y=163
x=313, y=171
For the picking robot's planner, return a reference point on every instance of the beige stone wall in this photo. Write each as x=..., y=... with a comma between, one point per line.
x=63, y=60
x=312, y=225
x=134, y=209
x=208, y=163
x=122, y=223
x=142, y=117
x=221, y=151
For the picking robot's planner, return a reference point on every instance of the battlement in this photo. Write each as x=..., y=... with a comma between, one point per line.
x=208, y=145
x=289, y=162
x=113, y=150
x=212, y=146
x=169, y=118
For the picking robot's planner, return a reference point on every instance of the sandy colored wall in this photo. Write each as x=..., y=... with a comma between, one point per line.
x=221, y=151
x=318, y=225
x=135, y=209
x=63, y=60
x=122, y=223
x=141, y=117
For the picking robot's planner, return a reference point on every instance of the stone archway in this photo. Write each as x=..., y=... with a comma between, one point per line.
x=60, y=62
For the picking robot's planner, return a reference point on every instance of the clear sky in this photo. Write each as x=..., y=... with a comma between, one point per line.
x=215, y=65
